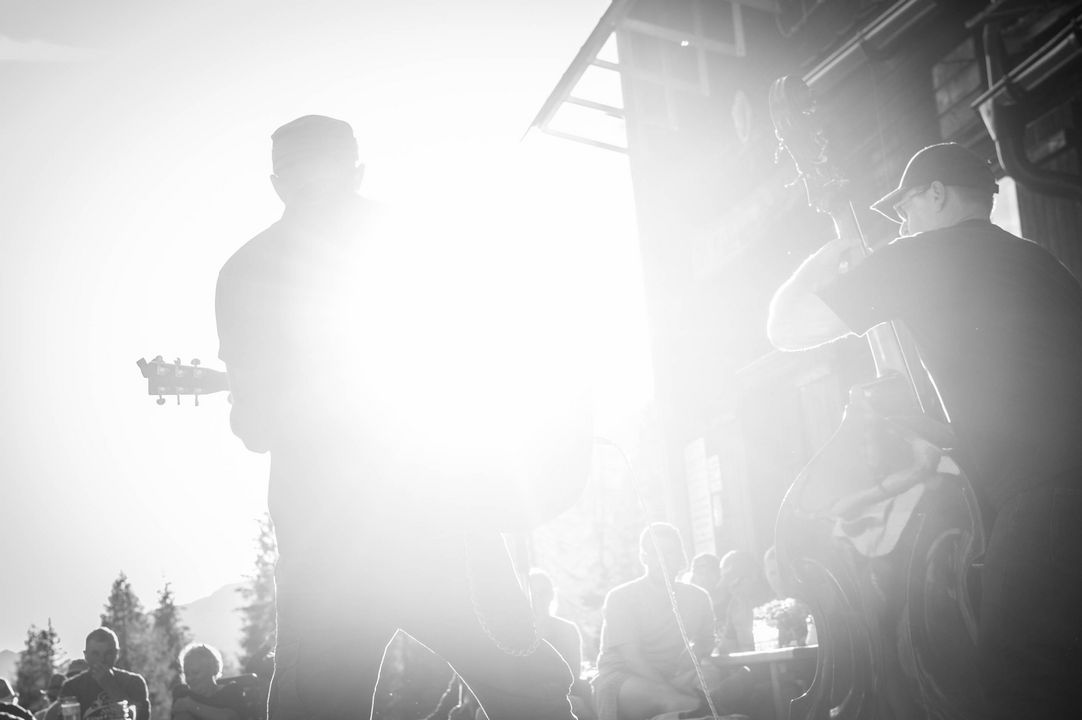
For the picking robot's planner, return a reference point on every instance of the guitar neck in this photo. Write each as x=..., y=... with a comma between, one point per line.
x=176, y=379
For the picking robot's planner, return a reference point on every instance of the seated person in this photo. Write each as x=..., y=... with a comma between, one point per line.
x=75, y=667
x=200, y=696
x=560, y=633
x=56, y=682
x=104, y=690
x=563, y=635
x=706, y=572
x=736, y=602
x=52, y=692
x=644, y=668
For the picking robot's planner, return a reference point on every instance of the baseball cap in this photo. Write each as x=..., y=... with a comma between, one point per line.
x=313, y=138
x=949, y=163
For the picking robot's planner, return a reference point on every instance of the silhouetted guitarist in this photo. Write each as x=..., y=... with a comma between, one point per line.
x=374, y=532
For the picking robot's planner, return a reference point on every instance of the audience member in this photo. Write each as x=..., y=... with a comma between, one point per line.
x=52, y=692
x=736, y=605
x=564, y=636
x=200, y=695
x=56, y=682
x=773, y=572
x=645, y=668
x=706, y=572
x=102, y=688
x=76, y=666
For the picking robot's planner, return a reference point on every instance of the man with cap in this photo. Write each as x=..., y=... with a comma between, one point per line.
x=998, y=323
x=312, y=314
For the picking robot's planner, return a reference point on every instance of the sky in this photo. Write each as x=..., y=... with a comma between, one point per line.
x=134, y=140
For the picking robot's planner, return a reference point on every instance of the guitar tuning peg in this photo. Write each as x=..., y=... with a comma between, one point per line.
x=178, y=398
x=194, y=362
x=160, y=400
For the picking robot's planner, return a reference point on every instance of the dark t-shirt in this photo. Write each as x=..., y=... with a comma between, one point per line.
x=291, y=310
x=93, y=699
x=229, y=696
x=640, y=613
x=998, y=321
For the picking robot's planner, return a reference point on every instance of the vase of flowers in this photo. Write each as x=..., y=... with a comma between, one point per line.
x=790, y=617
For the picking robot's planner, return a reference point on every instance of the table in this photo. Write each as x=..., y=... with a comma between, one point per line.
x=775, y=660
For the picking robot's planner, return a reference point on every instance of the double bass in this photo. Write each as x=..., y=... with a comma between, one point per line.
x=880, y=533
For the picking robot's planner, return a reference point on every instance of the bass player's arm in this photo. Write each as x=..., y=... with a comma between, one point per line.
x=799, y=319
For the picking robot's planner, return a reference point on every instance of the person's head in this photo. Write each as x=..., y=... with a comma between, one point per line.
x=75, y=667
x=7, y=693
x=705, y=570
x=200, y=665
x=664, y=538
x=737, y=569
x=314, y=157
x=542, y=592
x=56, y=681
x=941, y=186
x=772, y=571
x=102, y=648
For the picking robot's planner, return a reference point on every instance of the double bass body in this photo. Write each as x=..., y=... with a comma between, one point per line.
x=879, y=535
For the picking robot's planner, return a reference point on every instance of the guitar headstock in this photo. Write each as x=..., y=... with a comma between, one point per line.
x=165, y=378
x=800, y=135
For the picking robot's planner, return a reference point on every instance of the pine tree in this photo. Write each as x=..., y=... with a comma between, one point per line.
x=168, y=636
x=39, y=660
x=258, y=631
x=125, y=616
